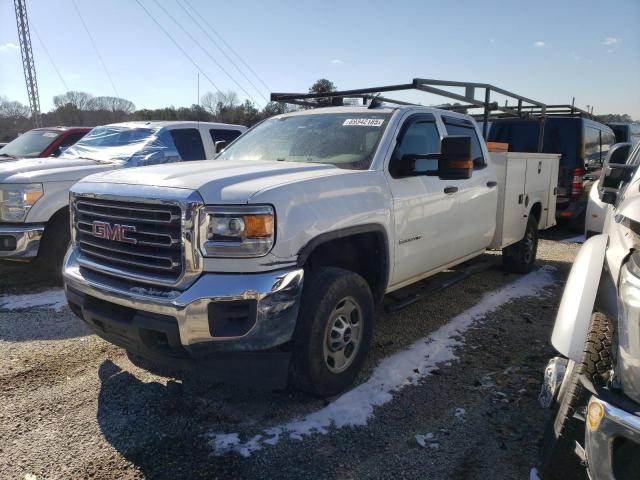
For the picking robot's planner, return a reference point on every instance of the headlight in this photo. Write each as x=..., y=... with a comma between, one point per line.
x=16, y=200
x=242, y=231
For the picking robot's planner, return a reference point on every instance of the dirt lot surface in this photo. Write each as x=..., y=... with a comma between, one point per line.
x=449, y=391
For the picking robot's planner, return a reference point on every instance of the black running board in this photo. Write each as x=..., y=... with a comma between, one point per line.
x=429, y=288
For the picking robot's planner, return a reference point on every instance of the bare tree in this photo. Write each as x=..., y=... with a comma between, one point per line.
x=79, y=100
x=217, y=103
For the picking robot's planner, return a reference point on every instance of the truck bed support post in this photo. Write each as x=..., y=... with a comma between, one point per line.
x=485, y=116
x=543, y=118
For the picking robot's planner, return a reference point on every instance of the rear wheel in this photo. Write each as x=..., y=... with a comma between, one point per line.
x=559, y=461
x=334, y=332
x=521, y=256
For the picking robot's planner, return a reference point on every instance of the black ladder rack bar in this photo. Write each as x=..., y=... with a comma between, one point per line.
x=526, y=107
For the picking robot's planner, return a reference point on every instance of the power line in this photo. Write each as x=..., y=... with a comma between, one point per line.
x=95, y=48
x=227, y=45
x=221, y=50
x=193, y=39
x=177, y=45
x=35, y=30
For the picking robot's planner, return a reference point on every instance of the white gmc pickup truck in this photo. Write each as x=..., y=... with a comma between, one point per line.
x=267, y=262
x=34, y=193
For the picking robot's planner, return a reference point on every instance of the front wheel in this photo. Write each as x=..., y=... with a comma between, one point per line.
x=559, y=461
x=54, y=245
x=521, y=256
x=334, y=331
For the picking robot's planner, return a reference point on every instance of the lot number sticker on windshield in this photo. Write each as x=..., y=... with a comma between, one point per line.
x=49, y=134
x=363, y=122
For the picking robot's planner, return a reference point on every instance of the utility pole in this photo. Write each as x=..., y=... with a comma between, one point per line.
x=28, y=64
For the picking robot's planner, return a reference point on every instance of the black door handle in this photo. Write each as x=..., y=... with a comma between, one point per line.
x=492, y=184
x=450, y=190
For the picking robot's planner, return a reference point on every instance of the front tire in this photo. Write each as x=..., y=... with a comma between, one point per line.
x=559, y=461
x=334, y=332
x=521, y=256
x=54, y=245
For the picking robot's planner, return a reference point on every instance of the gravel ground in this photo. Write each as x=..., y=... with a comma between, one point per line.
x=73, y=406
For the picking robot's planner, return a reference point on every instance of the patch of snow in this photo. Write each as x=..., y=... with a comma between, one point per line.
x=576, y=239
x=533, y=474
x=422, y=439
x=49, y=298
x=408, y=367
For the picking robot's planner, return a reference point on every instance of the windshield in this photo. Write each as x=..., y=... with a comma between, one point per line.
x=30, y=144
x=347, y=140
x=110, y=143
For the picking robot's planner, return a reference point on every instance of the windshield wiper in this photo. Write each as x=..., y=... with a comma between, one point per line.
x=7, y=155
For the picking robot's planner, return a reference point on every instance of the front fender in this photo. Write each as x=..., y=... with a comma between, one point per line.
x=574, y=315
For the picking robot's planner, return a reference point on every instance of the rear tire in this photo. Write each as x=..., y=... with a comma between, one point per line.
x=333, y=333
x=521, y=256
x=558, y=458
x=54, y=245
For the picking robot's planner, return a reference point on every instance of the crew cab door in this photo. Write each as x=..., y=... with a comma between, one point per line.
x=477, y=196
x=425, y=210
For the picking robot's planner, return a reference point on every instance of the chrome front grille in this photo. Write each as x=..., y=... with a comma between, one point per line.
x=152, y=248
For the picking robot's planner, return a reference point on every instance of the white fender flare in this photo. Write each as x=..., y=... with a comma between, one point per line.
x=574, y=315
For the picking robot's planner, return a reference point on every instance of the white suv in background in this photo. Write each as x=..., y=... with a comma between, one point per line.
x=34, y=193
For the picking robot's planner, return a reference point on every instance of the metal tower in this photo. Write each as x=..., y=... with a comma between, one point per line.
x=27, y=59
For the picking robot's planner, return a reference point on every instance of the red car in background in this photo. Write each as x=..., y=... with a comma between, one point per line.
x=42, y=142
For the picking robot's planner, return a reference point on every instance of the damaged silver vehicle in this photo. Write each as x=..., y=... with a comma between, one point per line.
x=593, y=388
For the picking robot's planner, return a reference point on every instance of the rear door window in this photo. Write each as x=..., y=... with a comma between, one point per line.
x=607, y=140
x=459, y=126
x=219, y=135
x=591, y=146
x=188, y=142
x=71, y=139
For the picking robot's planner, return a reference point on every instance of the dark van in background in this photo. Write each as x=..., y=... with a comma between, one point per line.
x=626, y=132
x=583, y=144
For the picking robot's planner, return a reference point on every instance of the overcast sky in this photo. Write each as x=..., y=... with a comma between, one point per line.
x=548, y=50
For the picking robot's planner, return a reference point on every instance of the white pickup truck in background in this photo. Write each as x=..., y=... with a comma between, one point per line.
x=279, y=248
x=34, y=193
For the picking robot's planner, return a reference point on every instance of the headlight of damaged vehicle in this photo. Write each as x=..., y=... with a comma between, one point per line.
x=628, y=340
x=16, y=199
x=237, y=231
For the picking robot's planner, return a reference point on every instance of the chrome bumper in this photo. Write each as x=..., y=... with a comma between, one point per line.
x=277, y=295
x=599, y=439
x=20, y=242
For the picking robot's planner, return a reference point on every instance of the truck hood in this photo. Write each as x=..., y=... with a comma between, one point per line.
x=49, y=169
x=221, y=181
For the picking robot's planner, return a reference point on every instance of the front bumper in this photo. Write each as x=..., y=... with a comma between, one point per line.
x=218, y=319
x=603, y=441
x=20, y=242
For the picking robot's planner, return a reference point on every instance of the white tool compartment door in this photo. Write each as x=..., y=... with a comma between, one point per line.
x=537, y=185
x=513, y=223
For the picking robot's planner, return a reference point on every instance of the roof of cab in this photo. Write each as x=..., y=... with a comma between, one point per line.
x=61, y=128
x=169, y=123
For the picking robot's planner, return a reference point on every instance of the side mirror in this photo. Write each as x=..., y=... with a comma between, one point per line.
x=220, y=145
x=619, y=153
x=615, y=173
x=56, y=152
x=455, y=161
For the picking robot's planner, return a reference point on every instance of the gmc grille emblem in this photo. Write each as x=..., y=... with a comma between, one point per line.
x=115, y=232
